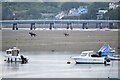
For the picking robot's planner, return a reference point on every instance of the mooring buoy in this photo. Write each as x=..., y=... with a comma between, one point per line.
x=68, y=62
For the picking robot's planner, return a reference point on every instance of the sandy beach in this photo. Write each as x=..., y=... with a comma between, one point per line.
x=47, y=40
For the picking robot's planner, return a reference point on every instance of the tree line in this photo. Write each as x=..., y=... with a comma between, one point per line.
x=34, y=10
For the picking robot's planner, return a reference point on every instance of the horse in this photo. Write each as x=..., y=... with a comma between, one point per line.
x=32, y=34
x=66, y=34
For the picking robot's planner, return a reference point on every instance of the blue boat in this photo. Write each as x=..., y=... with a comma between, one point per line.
x=108, y=52
x=105, y=50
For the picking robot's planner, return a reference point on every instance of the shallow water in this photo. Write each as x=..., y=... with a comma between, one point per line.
x=53, y=65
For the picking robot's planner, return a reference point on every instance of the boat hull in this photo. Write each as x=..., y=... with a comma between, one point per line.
x=10, y=58
x=90, y=60
x=88, y=63
x=114, y=57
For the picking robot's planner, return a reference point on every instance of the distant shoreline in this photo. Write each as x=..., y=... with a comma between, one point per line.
x=91, y=29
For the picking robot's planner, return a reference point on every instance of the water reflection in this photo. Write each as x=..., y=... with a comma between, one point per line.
x=14, y=66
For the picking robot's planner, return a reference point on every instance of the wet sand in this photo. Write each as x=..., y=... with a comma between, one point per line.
x=47, y=40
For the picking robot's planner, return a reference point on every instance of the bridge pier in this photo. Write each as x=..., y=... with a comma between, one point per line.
x=51, y=26
x=69, y=26
x=1, y=27
x=32, y=26
x=110, y=26
x=84, y=26
x=99, y=25
x=118, y=25
x=15, y=27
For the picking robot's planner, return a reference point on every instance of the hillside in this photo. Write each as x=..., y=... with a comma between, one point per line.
x=48, y=10
x=27, y=10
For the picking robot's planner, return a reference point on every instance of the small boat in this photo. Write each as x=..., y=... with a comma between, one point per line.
x=106, y=50
x=114, y=57
x=112, y=50
x=90, y=57
x=109, y=52
x=13, y=55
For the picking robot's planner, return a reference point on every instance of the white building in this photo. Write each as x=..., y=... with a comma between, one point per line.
x=114, y=5
x=78, y=11
x=60, y=15
x=72, y=11
x=100, y=13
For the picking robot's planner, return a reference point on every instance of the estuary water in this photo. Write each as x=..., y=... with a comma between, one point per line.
x=54, y=65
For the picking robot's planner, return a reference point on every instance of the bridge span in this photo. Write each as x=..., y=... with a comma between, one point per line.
x=69, y=23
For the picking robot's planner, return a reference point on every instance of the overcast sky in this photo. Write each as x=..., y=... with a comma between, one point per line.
x=59, y=0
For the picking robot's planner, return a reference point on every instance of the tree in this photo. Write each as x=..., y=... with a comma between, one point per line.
x=7, y=13
x=34, y=14
x=112, y=14
x=69, y=5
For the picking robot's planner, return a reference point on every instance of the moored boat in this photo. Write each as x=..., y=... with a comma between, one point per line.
x=89, y=57
x=114, y=57
x=108, y=52
x=13, y=55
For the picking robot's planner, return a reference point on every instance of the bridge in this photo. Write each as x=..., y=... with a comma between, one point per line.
x=52, y=23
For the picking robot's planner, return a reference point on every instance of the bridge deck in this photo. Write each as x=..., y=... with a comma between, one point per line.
x=57, y=21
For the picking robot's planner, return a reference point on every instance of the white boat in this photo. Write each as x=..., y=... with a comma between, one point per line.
x=114, y=57
x=13, y=55
x=86, y=57
x=112, y=50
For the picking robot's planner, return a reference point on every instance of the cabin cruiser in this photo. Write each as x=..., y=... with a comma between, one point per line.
x=13, y=55
x=90, y=57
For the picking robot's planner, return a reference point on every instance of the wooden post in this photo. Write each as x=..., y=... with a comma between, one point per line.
x=84, y=26
x=67, y=26
x=100, y=25
x=16, y=26
x=32, y=26
x=50, y=26
x=71, y=26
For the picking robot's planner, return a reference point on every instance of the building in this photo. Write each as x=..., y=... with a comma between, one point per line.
x=100, y=13
x=73, y=11
x=80, y=10
x=60, y=15
x=114, y=5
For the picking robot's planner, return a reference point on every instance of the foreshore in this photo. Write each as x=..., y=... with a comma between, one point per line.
x=54, y=40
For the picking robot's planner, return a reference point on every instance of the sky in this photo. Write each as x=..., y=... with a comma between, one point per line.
x=59, y=0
